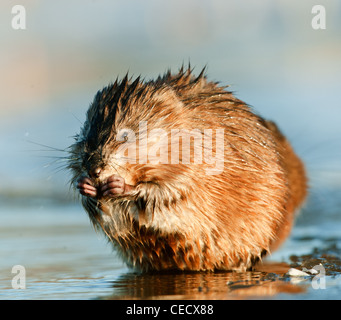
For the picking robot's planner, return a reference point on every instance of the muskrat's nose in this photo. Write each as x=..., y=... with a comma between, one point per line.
x=95, y=172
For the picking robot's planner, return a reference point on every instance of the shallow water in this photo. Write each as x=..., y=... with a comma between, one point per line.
x=64, y=258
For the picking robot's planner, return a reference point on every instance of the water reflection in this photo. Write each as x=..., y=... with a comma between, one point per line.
x=268, y=280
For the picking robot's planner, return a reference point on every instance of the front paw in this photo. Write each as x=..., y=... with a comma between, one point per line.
x=115, y=186
x=86, y=187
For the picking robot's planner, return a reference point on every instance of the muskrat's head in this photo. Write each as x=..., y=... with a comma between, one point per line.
x=96, y=151
x=118, y=121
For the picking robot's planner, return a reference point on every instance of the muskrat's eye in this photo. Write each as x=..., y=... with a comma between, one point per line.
x=125, y=135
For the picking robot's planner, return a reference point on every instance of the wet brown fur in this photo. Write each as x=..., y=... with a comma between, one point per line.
x=179, y=217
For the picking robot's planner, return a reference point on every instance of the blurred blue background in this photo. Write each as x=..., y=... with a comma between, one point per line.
x=266, y=50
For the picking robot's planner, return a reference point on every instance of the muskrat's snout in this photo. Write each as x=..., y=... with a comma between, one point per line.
x=95, y=172
x=93, y=164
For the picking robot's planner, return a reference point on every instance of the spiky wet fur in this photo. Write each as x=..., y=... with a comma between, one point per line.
x=178, y=217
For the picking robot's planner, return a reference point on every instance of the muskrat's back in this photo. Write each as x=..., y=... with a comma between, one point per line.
x=221, y=203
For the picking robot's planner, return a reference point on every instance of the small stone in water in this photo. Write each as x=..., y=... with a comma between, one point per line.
x=297, y=273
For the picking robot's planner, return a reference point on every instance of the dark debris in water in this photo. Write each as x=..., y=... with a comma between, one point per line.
x=329, y=258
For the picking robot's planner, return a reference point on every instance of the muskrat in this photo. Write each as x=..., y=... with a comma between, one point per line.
x=218, y=205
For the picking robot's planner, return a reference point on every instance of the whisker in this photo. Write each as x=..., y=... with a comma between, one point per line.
x=57, y=157
x=122, y=167
x=114, y=168
x=81, y=123
x=59, y=169
x=58, y=163
x=46, y=146
x=55, y=162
